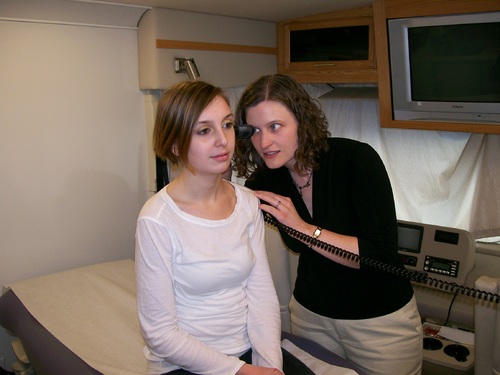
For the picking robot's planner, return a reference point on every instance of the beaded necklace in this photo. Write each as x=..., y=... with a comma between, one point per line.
x=306, y=185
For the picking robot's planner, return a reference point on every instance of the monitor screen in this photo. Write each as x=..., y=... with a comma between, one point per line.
x=446, y=68
x=457, y=63
x=410, y=237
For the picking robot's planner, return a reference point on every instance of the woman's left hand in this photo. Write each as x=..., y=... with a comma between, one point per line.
x=283, y=210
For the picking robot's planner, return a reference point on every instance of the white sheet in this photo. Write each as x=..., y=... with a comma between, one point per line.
x=105, y=335
x=318, y=366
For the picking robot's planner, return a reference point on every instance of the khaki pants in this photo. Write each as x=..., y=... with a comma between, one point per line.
x=386, y=345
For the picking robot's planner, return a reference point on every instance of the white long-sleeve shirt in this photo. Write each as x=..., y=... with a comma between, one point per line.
x=204, y=289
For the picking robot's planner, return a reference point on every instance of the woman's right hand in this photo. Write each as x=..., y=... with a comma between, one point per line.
x=247, y=369
x=283, y=210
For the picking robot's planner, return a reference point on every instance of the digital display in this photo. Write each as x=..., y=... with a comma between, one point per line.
x=410, y=237
x=446, y=267
x=441, y=266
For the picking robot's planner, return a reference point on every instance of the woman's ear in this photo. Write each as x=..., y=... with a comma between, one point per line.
x=175, y=150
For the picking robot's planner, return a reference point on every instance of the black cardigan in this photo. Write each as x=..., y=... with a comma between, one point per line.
x=352, y=195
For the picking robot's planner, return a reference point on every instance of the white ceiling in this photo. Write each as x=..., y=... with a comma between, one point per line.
x=264, y=10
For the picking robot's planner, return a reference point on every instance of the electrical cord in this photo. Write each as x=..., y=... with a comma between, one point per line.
x=449, y=308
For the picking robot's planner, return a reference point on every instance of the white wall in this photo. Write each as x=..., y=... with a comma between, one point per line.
x=73, y=160
x=72, y=146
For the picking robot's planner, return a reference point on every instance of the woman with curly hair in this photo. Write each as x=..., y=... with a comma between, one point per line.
x=337, y=191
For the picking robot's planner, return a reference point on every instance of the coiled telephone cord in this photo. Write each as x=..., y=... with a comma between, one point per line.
x=415, y=276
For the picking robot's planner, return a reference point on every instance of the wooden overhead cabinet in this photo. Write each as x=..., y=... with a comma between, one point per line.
x=335, y=47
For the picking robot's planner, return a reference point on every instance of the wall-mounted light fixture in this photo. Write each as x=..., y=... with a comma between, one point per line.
x=187, y=66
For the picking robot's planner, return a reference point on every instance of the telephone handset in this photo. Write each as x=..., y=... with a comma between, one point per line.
x=414, y=276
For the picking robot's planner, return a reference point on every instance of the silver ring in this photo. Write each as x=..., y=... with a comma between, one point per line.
x=279, y=202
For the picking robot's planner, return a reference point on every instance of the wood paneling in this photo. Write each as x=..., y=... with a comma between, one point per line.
x=201, y=46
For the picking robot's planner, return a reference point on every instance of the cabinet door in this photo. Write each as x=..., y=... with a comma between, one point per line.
x=335, y=44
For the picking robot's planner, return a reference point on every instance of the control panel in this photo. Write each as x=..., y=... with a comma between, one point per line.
x=442, y=266
x=441, y=252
